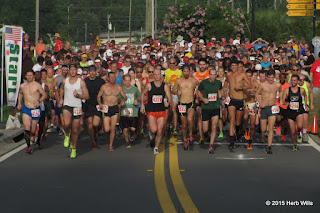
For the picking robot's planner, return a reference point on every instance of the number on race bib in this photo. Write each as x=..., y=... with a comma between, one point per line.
x=35, y=113
x=227, y=100
x=77, y=111
x=275, y=109
x=182, y=108
x=128, y=111
x=294, y=105
x=212, y=96
x=157, y=99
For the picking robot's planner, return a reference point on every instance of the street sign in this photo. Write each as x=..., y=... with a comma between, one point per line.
x=300, y=13
x=301, y=1
x=316, y=41
x=300, y=6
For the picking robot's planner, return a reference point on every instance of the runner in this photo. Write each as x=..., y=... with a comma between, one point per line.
x=184, y=88
x=200, y=75
x=157, y=90
x=92, y=115
x=129, y=111
x=302, y=83
x=72, y=90
x=110, y=109
x=237, y=82
x=251, y=110
x=268, y=110
x=33, y=95
x=292, y=97
x=224, y=113
x=210, y=92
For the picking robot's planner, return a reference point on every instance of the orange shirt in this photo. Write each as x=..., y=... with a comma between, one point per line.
x=201, y=77
x=283, y=87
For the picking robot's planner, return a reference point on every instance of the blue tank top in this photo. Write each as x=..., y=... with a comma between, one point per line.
x=119, y=79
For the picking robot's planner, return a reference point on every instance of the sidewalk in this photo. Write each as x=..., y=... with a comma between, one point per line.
x=7, y=140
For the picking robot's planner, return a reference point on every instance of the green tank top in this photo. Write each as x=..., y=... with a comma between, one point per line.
x=50, y=93
x=304, y=86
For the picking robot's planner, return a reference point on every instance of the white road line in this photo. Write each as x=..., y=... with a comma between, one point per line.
x=259, y=144
x=314, y=144
x=12, y=152
x=222, y=158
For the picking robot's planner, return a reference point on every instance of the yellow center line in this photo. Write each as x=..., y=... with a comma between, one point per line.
x=177, y=181
x=160, y=182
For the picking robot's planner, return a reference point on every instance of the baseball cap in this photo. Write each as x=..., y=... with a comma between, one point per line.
x=201, y=41
x=79, y=71
x=92, y=68
x=84, y=55
x=143, y=57
x=90, y=63
x=153, y=62
x=97, y=61
x=65, y=67
x=246, y=39
x=186, y=59
x=156, y=38
x=213, y=39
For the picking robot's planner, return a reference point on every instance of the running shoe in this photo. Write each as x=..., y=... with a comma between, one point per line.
x=39, y=147
x=94, y=145
x=43, y=138
x=118, y=129
x=269, y=151
x=66, y=141
x=278, y=130
x=249, y=146
x=131, y=136
x=29, y=150
x=191, y=140
x=283, y=138
x=299, y=138
x=111, y=149
x=175, y=132
x=220, y=135
x=73, y=153
x=201, y=141
x=128, y=146
x=210, y=150
x=247, y=135
x=186, y=145
x=70, y=148
x=32, y=139
x=155, y=151
x=61, y=132
x=305, y=138
x=295, y=148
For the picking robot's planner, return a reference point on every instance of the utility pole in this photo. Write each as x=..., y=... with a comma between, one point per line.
x=232, y=4
x=252, y=20
x=152, y=6
x=149, y=19
x=156, y=16
x=130, y=19
x=114, y=32
x=37, y=22
x=314, y=18
x=208, y=2
x=85, y=33
x=69, y=18
x=109, y=15
x=248, y=6
x=275, y=4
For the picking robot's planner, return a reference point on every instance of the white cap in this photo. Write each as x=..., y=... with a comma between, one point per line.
x=144, y=57
x=258, y=67
x=122, y=48
x=56, y=67
x=109, y=52
x=90, y=63
x=79, y=71
x=97, y=60
x=201, y=41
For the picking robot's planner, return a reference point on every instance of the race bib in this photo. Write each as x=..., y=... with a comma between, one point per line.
x=257, y=104
x=35, y=113
x=157, y=99
x=104, y=109
x=98, y=108
x=275, y=109
x=182, y=108
x=227, y=100
x=212, y=97
x=278, y=95
x=77, y=111
x=128, y=111
x=252, y=108
x=294, y=105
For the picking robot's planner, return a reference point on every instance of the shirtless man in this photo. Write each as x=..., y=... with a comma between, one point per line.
x=269, y=110
x=110, y=109
x=72, y=91
x=292, y=97
x=50, y=109
x=237, y=82
x=184, y=88
x=250, y=109
x=157, y=91
x=30, y=93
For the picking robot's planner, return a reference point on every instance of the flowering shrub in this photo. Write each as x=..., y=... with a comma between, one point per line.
x=190, y=21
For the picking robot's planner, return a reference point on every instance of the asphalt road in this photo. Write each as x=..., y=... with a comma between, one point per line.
x=100, y=181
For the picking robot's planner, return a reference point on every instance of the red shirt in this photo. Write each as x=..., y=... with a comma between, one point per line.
x=58, y=46
x=315, y=69
x=223, y=44
x=249, y=46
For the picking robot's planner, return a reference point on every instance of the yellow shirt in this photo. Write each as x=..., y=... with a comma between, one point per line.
x=172, y=76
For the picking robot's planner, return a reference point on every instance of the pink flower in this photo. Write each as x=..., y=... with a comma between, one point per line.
x=188, y=16
x=232, y=17
x=242, y=16
x=226, y=19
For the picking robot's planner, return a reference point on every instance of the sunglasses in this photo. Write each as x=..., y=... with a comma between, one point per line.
x=295, y=70
x=301, y=79
x=150, y=71
x=139, y=72
x=172, y=63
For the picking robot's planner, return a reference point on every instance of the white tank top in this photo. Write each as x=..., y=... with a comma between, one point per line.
x=69, y=99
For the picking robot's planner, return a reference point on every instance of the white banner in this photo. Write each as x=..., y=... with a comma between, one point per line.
x=13, y=62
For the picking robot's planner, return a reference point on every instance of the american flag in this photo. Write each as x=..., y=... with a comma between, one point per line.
x=13, y=33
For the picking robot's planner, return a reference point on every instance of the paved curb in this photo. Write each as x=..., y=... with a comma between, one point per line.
x=9, y=135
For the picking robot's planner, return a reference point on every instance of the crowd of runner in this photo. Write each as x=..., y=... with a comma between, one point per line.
x=198, y=88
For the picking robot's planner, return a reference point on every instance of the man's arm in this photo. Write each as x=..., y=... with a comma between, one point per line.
x=99, y=96
x=20, y=98
x=124, y=96
x=247, y=83
x=84, y=88
x=61, y=92
x=168, y=93
x=42, y=93
x=175, y=87
x=257, y=95
x=310, y=96
x=284, y=96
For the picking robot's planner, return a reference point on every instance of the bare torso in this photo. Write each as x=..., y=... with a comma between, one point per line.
x=268, y=93
x=186, y=89
x=31, y=94
x=236, y=79
x=110, y=94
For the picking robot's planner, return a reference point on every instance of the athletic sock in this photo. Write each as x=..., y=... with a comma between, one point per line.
x=27, y=137
x=231, y=139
